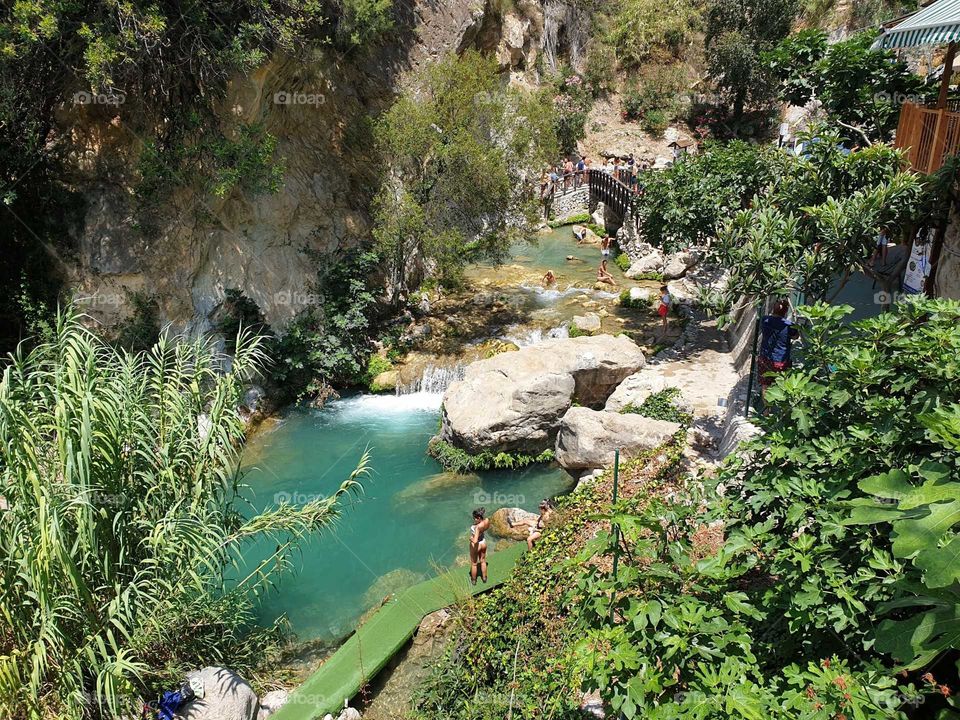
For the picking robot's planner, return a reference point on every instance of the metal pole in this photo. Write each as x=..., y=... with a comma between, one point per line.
x=616, y=527
x=753, y=360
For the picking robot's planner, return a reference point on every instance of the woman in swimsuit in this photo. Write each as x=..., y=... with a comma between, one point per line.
x=478, y=545
x=536, y=528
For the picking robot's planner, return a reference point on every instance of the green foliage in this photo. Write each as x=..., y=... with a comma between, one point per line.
x=857, y=85
x=662, y=405
x=817, y=221
x=376, y=365
x=656, y=97
x=737, y=34
x=216, y=162
x=791, y=586
x=122, y=520
x=685, y=204
x=329, y=343
x=571, y=104
x=642, y=31
x=141, y=330
x=583, y=218
x=574, y=331
x=623, y=262
x=456, y=460
x=363, y=21
x=453, y=194
x=600, y=73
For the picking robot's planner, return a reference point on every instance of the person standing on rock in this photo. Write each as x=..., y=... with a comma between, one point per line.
x=478, y=545
x=778, y=333
x=666, y=302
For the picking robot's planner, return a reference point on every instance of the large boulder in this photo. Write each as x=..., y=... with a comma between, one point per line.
x=589, y=323
x=514, y=402
x=505, y=523
x=634, y=390
x=226, y=696
x=588, y=438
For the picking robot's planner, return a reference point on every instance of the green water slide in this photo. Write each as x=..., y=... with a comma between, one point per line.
x=365, y=652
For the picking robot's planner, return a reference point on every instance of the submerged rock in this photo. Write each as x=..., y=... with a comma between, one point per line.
x=588, y=438
x=226, y=696
x=514, y=402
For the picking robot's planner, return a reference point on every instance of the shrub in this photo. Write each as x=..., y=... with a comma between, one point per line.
x=376, y=365
x=656, y=98
x=141, y=329
x=123, y=517
x=645, y=30
x=623, y=261
x=600, y=72
x=456, y=460
x=661, y=405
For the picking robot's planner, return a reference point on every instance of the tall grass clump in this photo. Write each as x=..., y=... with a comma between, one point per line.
x=122, y=522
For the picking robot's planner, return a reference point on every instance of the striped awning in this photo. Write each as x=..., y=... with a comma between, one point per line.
x=936, y=24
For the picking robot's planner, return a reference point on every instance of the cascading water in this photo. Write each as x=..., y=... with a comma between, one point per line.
x=524, y=336
x=434, y=379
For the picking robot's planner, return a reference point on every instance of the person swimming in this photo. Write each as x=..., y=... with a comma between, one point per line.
x=548, y=279
x=478, y=545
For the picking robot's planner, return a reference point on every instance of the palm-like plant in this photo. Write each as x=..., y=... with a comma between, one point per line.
x=120, y=519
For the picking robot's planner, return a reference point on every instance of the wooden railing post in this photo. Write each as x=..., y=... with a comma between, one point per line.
x=939, y=136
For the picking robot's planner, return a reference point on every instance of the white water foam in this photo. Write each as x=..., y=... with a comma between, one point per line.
x=360, y=407
x=523, y=337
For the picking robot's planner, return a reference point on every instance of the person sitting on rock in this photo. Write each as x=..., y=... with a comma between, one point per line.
x=478, y=545
x=548, y=279
x=603, y=275
x=536, y=526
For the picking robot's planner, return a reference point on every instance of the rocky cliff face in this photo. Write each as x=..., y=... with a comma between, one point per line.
x=268, y=245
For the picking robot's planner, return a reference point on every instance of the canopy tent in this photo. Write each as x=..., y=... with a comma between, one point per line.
x=936, y=24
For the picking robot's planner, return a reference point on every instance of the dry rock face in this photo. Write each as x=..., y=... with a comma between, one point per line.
x=195, y=245
x=589, y=438
x=514, y=402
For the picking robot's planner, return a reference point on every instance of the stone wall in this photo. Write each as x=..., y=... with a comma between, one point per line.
x=570, y=203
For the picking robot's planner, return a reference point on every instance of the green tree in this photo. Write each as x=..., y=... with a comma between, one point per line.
x=737, y=33
x=461, y=153
x=861, y=88
x=123, y=520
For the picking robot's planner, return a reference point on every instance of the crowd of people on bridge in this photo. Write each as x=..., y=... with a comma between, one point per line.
x=571, y=173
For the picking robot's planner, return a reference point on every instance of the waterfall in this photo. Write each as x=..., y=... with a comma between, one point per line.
x=433, y=380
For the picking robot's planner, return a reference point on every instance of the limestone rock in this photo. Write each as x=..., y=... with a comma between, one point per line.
x=271, y=702
x=504, y=523
x=349, y=713
x=514, y=402
x=639, y=294
x=634, y=390
x=589, y=323
x=600, y=215
x=226, y=696
x=644, y=259
x=432, y=625
x=588, y=438
x=385, y=381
